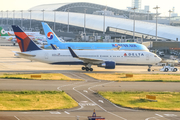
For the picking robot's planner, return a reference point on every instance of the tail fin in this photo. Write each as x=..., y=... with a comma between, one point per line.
x=50, y=35
x=25, y=43
x=3, y=32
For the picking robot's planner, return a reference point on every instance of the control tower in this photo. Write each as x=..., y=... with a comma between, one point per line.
x=136, y=4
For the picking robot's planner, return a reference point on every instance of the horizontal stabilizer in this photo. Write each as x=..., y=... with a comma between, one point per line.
x=24, y=54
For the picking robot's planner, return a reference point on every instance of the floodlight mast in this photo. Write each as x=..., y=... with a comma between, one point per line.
x=134, y=8
x=156, y=18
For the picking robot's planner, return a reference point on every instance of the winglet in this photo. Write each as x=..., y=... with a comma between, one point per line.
x=72, y=53
x=53, y=47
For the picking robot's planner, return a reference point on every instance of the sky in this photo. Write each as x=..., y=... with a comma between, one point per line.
x=165, y=5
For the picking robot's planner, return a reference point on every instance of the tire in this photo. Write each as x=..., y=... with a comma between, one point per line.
x=149, y=70
x=87, y=69
x=91, y=69
x=175, y=69
x=83, y=68
x=166, y=70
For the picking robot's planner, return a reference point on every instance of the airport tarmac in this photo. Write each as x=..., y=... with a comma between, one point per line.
x=84, y=92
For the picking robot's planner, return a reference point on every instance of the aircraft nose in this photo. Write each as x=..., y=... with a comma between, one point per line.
x=159, y=59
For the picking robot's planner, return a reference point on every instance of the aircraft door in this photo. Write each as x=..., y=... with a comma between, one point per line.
x=147, y=56
x=46, y=55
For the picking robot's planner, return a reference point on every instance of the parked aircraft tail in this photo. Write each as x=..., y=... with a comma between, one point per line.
x=3, y=32
x=50, y=35
x=25, y=43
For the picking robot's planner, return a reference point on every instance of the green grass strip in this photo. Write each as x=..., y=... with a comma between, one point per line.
x=44, y=76
x=136, y=77
x=166, y=101
x=35, y=100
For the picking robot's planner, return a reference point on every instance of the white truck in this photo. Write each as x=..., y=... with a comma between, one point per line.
x=169, y=67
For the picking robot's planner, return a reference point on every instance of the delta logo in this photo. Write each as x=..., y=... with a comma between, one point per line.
x=133, y=54
x=50, y=35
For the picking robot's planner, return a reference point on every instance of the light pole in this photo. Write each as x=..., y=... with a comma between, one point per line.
x=104, y=22
x=68, y=21
x=2, y=17
x=54, y=20
x=134, y=8
x=85, y=24
x=7, y=17
x=43, y=14
x=30, y=19
x=148, y=14
x=156, y=18
x=170, y=16
x=13, y=16
x=21, y=18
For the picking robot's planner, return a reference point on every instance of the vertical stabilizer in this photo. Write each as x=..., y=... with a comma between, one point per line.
x=25, y=43
x=3, y=32
x=50, y=35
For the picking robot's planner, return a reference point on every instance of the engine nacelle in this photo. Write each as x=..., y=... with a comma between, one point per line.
x=108, y=65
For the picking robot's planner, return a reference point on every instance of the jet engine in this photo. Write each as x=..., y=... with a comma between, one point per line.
x=108, y=65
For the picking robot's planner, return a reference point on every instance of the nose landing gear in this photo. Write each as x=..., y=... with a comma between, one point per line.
x=149, y=68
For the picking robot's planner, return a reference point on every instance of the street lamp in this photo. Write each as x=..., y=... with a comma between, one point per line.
x=156, y=18
x=148, y=14
x=170, y=16
x=30, y=19
x=68, y=21
x=13, y=16
x=104, y=23
x=85, y=24
x=2, y=17
x=134, y=8
x=43, y=14
x=54, y=20
x=21, y=18
x=7, y=17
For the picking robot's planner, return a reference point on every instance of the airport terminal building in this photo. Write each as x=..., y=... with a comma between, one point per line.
x=90, y=22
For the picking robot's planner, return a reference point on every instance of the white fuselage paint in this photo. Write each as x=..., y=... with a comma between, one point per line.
x=119, y=57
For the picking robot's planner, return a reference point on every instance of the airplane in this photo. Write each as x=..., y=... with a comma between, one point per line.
x=9, y=35
x=102, y=58
x=52, y=38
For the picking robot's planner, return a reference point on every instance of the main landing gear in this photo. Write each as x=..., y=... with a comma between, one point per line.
x=87, y=68
x=149, y=68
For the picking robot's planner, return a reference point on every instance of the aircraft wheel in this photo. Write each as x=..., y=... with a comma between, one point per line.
x=83, y=68
x=166, y=70
x=91, y=69
x=149, y=70
x=175, y=69
x=87, y=69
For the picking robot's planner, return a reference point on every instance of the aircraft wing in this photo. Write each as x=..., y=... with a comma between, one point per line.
x=86, y=60
x=24, y=54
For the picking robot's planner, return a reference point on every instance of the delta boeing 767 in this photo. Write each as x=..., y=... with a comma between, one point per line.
x=102, y=58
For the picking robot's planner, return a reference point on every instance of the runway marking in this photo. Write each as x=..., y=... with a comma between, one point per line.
x=101, y=101
x=85, y=91
x=87, y=104
x=108, y=100
x=66, y=112
x=159, y=115
x=170, y=115
x=55, y=112
x=17, y=118
x=96, y=103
